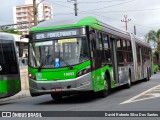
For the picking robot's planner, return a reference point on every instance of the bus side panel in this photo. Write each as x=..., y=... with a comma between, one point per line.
x=9, y=87
x=13, y=86
x=123, y=74
x=98, y=78
x=3, y=86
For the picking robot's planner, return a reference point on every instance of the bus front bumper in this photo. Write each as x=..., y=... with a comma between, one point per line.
x=69, y=86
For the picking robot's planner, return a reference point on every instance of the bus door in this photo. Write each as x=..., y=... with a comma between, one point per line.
x=96, y=61
x=141, y=62
x=113, y=41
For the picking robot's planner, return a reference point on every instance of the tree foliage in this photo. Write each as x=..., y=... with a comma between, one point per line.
x=8, y=30
x=158, y=34
x=151, y=35
x=158, y=39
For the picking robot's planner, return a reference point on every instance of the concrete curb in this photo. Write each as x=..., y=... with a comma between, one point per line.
x=22, y=94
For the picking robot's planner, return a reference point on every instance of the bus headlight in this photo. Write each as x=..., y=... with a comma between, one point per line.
x=30, y=75
x=84, y=71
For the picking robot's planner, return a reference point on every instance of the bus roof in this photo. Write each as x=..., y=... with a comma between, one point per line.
x=140, y=41
x=78, y=21
x=66, y=23
x=6, y=36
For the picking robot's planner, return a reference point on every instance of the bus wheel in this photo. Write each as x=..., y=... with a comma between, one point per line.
x=128, y=85
x=147, y=78
x=104, y=93
x=56, y=97
x=149, y=75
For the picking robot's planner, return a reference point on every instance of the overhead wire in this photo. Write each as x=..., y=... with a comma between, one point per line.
x=84, y=12
x=109, y=6
x=104, y=1
x=64, y=6
x=93, y=2
x=114, y=11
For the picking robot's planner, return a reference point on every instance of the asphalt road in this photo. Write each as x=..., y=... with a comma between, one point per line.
x=142, y=96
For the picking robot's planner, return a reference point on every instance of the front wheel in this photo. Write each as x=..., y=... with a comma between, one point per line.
x=104, y=93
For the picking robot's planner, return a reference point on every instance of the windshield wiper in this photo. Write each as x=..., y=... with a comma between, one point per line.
x=43, y=62
x=68, y=65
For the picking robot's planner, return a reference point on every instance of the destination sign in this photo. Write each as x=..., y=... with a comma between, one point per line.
x=55, y=34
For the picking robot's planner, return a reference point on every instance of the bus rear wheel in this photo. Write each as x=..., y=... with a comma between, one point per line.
x=104, y=93
x=56, y=97
x=128, y=85
x=148, y=77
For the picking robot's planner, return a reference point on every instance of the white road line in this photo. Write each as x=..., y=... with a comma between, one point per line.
x=135, y=97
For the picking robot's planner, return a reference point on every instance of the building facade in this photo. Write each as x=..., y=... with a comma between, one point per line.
x=24, y=14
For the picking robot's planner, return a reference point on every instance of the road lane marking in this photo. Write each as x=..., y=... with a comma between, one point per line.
x=148, y=94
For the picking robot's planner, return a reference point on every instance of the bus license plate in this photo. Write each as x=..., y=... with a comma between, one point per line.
x=56, y=89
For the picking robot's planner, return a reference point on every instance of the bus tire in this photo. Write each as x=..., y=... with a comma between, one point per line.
x=56, y=97
x=104, y=93
x=147, y=77
x=128, y=85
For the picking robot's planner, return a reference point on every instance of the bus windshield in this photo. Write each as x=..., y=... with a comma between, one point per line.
x=58, y=53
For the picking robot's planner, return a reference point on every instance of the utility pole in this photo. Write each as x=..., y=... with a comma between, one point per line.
x=29, y=20
x=134, y=29
x=35, y=12
x=126, y=21
x=75, y=6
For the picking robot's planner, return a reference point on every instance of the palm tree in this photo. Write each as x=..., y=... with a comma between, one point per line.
x=151, y=36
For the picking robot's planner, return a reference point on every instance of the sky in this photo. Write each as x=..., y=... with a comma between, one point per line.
x=144, y=14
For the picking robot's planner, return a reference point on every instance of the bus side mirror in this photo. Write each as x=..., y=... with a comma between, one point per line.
x=24, y=36
x=21, y=46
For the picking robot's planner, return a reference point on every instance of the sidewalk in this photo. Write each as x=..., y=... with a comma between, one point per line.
x=21, y=94
x=156, y=76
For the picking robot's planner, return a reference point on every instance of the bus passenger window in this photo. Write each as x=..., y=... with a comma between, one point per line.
x=120, y=51
x=106, y=42
x=124, y=45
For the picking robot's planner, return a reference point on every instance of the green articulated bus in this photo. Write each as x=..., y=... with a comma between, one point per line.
x=10, y=83
x=79, y=55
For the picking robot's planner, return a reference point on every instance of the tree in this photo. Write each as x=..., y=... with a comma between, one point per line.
x=151, y=35
x=9, y=30
x=158, y=45
x=154, y=36
x=158, y=34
